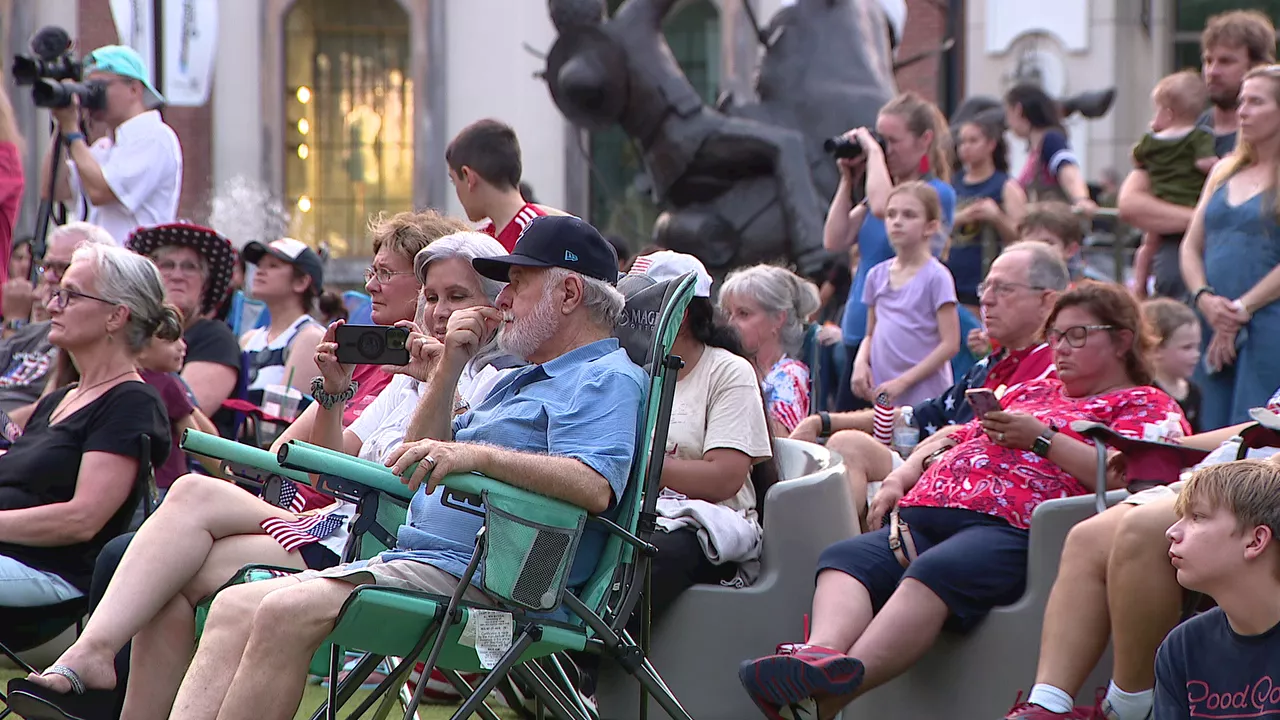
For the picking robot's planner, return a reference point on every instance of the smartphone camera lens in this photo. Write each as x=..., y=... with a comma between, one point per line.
x=370, y=345
x=397, y=338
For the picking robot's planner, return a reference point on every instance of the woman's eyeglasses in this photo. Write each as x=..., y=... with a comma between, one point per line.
x=186, y=267
x=61, y=296
x=1076, y=335
x=384, y=275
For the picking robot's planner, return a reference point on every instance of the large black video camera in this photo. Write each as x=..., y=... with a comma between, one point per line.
x=50, y=64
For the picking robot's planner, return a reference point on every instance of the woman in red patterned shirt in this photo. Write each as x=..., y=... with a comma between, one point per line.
x=966, y=514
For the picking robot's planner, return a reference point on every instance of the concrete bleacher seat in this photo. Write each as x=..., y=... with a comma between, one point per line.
x=698, y=644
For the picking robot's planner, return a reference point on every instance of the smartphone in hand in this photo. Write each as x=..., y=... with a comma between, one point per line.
x=982, y=400
x=372, y=345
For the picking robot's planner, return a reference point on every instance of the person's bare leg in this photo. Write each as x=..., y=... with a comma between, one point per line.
x=866, y=460
x=287, y=629
x=222, y=646
x=901, y=633
x=168, y=551
x=158, y=660
x=162, y=650
x=1143, y=592
x=1076, y=618
x=841, y=611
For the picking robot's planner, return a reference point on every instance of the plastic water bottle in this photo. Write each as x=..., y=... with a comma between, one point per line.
x=905, y=432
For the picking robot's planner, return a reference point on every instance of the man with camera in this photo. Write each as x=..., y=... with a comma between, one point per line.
x=132, y=177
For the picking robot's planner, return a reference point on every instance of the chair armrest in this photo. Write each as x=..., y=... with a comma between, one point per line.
x=805, y=516
x=234, y=453
x=468, y=487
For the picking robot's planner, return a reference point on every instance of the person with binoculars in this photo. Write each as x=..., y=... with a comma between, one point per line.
x=131, y=177
x=910, y=141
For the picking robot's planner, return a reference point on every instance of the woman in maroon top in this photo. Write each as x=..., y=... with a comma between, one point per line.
x=967, y=514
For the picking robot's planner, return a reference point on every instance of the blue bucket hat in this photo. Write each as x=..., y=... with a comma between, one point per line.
x=125, y=62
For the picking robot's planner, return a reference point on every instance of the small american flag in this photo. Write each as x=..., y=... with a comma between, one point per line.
x=290, y=499
x=293, y=534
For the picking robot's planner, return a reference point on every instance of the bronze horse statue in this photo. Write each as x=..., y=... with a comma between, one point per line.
x=746, y=181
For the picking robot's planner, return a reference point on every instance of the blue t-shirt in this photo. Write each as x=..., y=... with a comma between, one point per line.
x=874, y=248
x=584, y=404
x=974, y=245
x=1204, y=669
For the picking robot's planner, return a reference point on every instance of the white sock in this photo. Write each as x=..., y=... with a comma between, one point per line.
x=1051, y=698
x=1121, y=705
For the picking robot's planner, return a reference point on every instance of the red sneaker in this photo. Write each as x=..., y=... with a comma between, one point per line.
x=1027, y=711
x=799, y=672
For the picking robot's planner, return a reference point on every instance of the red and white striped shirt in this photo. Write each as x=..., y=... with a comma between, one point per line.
x=512, y=231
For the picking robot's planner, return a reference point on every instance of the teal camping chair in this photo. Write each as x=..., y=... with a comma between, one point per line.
x=545, y=618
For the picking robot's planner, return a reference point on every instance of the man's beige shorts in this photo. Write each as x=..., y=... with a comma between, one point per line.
x=402, y=574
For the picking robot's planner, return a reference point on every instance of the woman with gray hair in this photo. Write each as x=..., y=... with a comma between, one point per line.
x=769, y=306
x=207, y=529
x=67, y=484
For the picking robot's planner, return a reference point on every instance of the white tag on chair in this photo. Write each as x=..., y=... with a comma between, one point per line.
x=490, y=632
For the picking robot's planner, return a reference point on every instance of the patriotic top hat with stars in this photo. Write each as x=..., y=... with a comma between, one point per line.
x=216, y=251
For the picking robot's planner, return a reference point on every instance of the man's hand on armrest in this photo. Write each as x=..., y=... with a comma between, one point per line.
x=562, y=478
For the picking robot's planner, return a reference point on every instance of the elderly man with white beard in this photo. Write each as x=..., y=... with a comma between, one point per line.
x=565, y=426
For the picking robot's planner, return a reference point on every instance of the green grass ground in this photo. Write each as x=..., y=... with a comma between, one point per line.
x=315, y=695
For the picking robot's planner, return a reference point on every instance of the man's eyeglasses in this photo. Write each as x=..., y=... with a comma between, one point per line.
x=186, y=267
x=61, y=296
x=55, y=269
x=1004, y=289
x=384, y=275
x=1076, y=335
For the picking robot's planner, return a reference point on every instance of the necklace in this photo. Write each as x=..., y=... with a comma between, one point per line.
x=61, y=411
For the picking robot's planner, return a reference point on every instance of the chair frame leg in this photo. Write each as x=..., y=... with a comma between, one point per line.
x=546, y=696
x=569, y=703
x=465, y=690
x=495, y=675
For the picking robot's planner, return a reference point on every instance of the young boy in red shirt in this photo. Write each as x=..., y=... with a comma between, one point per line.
x=485, y=167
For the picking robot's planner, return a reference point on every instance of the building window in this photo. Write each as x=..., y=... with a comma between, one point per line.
x=621, y=203
x=1191, y=16
x=348, y=137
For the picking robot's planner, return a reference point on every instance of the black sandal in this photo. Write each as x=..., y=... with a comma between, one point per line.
x=37, y=702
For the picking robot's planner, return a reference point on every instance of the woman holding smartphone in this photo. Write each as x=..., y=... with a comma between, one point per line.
x=208, y=529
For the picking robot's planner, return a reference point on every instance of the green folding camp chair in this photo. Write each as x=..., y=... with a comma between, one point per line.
x=526, y=548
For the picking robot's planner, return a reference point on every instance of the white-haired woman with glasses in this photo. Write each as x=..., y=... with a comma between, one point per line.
x=68, y=483
x=768, y=306
x=207, y=529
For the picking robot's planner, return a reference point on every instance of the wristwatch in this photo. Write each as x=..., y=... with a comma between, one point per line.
x=1203, y=289
x=1044, y=441
x=72, y=137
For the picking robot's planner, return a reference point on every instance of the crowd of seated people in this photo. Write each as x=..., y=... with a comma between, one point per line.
x=514, y=372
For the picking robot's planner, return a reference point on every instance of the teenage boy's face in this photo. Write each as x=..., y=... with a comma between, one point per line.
x=1043, y=235
x=1206, y=547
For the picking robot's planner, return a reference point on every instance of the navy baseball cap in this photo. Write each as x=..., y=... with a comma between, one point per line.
x=562, y=241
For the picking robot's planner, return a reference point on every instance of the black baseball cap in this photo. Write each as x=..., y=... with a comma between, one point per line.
x=562, y=241
x=294, y=252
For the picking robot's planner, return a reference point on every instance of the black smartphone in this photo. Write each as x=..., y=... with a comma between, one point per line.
x=372, y=345
x=982, y=400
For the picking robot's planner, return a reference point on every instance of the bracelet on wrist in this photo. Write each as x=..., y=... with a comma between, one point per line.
x=71, y=137
x=326, y=399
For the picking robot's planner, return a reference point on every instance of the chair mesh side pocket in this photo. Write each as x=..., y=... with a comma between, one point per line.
x=527, y=562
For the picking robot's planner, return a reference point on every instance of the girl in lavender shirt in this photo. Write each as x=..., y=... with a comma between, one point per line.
x=912, y=323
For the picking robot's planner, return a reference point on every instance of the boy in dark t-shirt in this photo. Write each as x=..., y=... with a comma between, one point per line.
x=1225, y=663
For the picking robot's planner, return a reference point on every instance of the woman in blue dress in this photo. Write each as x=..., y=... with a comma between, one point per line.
x=1231, y=261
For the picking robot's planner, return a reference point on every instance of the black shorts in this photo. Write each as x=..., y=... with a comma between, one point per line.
x=972, y=561
x=318, y=557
